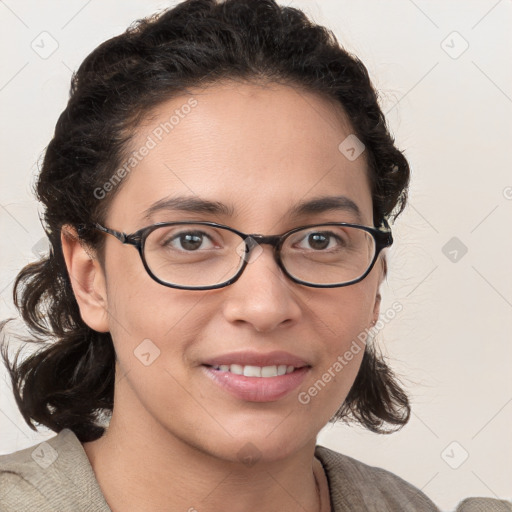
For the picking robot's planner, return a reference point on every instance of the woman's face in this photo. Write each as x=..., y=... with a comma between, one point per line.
x=259, y=152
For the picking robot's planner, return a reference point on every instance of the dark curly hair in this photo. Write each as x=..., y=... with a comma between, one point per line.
x=69, y=381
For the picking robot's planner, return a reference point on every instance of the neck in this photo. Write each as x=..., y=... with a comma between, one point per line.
x=141, y=466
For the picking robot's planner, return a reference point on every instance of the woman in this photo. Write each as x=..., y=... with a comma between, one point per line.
x=216, y=356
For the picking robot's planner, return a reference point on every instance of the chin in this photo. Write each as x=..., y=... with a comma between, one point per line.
x=263, y=443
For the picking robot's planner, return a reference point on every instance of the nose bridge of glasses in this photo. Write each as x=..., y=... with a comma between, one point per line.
x=253, y=246
x=253, y=240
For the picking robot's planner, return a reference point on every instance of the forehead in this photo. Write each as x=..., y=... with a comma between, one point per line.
x=259, y=150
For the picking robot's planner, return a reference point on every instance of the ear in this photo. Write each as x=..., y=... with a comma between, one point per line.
x=87, y=280
x=376, y=305
x=376, y=308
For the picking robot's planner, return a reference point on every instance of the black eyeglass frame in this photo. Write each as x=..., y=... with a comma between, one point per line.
x=382, y=237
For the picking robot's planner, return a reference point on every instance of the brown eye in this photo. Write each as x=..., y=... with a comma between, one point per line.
x=188, y=241
x=319, y=241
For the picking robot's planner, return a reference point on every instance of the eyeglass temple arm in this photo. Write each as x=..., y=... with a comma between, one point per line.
x=122, y=237
x=386, y=237
x=384, y=225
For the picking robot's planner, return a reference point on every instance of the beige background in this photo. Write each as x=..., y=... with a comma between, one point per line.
x=443, y=69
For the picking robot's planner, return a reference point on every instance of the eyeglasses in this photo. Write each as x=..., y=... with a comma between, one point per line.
x=205, y=255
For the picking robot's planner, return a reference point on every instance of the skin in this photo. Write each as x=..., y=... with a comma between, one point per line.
x=173, y=440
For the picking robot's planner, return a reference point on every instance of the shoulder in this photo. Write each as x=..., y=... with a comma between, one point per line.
x=487, y=504
x=53, y=475
x=355, y=485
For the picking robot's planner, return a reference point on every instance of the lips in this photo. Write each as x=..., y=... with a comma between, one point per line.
x=256, y=377
x=276, y=358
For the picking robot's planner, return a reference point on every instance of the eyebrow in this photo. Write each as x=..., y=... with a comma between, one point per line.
x=189, y=204
x=326, y=204
x=306, y=207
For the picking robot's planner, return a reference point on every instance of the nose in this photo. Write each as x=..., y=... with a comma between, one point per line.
x=263, y=297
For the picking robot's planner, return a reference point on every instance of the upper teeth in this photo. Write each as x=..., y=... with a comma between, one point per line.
x=256, y=371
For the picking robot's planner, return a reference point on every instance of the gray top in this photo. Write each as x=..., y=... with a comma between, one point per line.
x=56, y=476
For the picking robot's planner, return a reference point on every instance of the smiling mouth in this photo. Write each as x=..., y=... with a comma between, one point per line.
x=255, y=371
x=257, y=383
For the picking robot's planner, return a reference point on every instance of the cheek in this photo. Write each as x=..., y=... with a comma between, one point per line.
x=142, y=311
x=152, y=329
x=344, y=320
x=346, y=312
